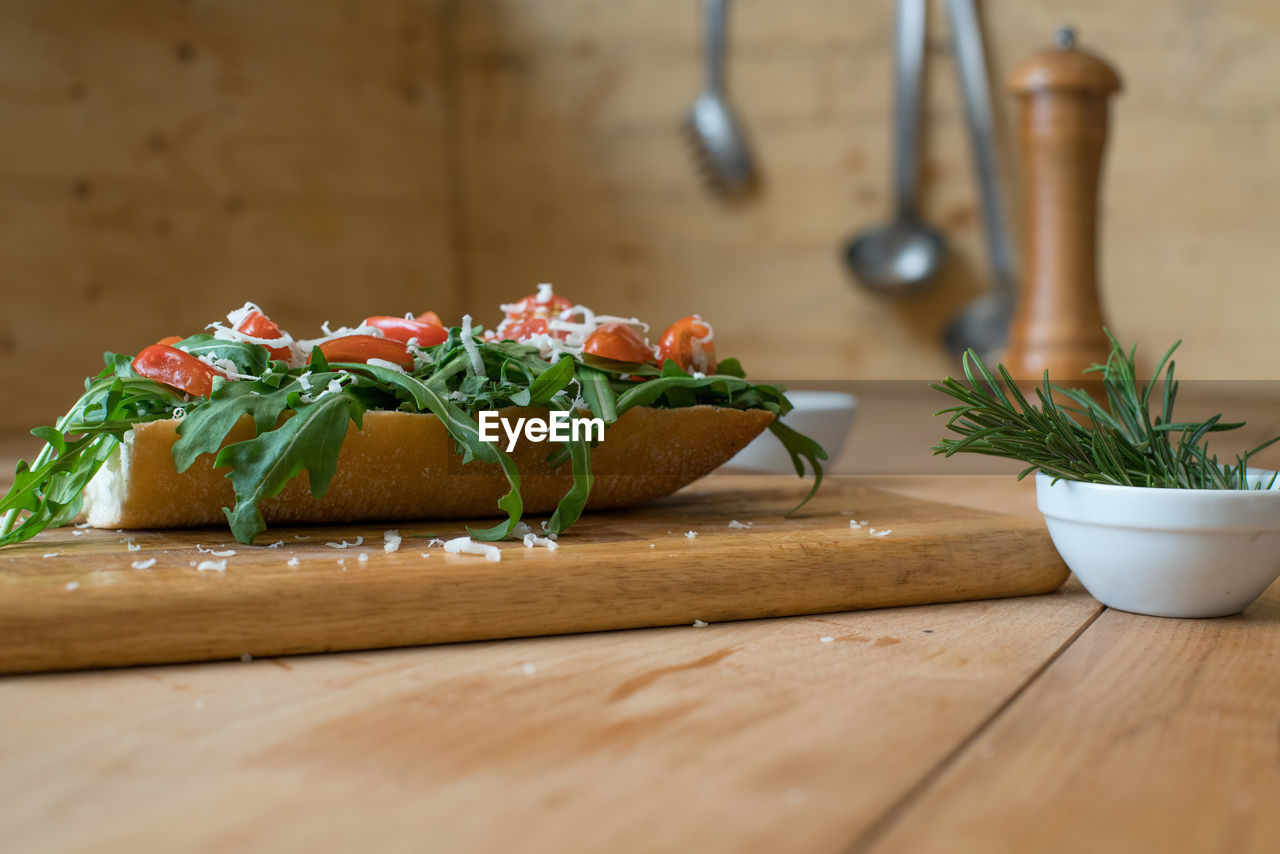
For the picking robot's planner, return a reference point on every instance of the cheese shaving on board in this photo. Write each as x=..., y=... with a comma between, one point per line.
x=531, y=540
x=391, y=540
x=468, y=546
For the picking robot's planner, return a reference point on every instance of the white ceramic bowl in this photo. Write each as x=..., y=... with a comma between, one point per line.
x=1166, y=552
x=824, y=416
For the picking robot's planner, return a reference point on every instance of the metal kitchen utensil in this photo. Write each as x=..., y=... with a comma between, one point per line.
x=906, y=253
x=720, y=144
x=984, y=324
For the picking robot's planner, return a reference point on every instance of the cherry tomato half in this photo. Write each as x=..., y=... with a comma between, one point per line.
x=258, y=325
x=531, y=307
x=362, y=348
x=686, y=343
x=402, y=329
x=522, y=329
x=430, y=317
x=170, y=340
x=528, y=317
x=619, y=342
x=171, y=366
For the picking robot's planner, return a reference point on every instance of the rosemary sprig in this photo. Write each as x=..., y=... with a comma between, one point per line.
x=1082, y=439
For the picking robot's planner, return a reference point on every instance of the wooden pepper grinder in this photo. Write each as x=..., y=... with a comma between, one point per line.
x=1063, y=94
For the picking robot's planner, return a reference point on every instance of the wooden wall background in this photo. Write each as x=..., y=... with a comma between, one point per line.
x=161, y=162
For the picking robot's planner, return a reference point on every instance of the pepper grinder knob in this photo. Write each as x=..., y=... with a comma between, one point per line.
x=1063, y=96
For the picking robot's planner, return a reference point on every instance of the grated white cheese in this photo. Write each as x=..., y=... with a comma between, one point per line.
x=72, y=585
x=364, y=557
x=133, y=547
x=700, y=624
x=855, y=524
x=465, y=545
x=51, y=554
x=531, y=540
x=77, y=533
x=521, y=530
x=346, y=545
x=529, y=668
x=82, y=525
x=144, y=564
x=211, y=566
x=873, y=532
x=434, y=541
x=391, y=540
x=293, y=561
x=740, y=525
x=826, y=639
x=473, y=350
x=277, y=544
x=383, y=363
x=692, y=535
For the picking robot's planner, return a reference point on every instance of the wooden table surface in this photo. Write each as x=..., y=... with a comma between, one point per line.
x=1040, y=724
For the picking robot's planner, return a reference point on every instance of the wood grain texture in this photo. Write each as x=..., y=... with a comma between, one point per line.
x=744, y=737
x=164, y=162
x=1147, y=734
x=615, y=570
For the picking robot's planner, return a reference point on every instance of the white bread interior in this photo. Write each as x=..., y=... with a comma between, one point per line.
x=404, y=466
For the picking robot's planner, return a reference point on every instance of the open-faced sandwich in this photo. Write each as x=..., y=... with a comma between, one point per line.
x=554, y=410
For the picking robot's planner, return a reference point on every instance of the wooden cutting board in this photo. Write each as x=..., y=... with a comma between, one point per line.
x=73, y=599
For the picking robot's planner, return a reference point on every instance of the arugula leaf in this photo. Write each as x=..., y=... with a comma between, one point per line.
x=260, y=467
x=550, y=383
x=49, y=490
x=207, y=427
x=598, y=394
x=570, y=507
x=247, y=357
x=800, y=447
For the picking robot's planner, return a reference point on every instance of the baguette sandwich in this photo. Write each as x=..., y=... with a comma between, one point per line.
x=397, y=418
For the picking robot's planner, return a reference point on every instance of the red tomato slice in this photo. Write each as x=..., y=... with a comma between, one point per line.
x=171, y=366
x=530, y=307
x=528, y=317
x=522, y=329
x=430, y=317
x=258, y=325
x=362, y=348
x=619, y=342
x=402, y=329
x=683, y=343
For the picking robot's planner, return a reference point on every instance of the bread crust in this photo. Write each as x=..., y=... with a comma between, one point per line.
x=404, y=465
